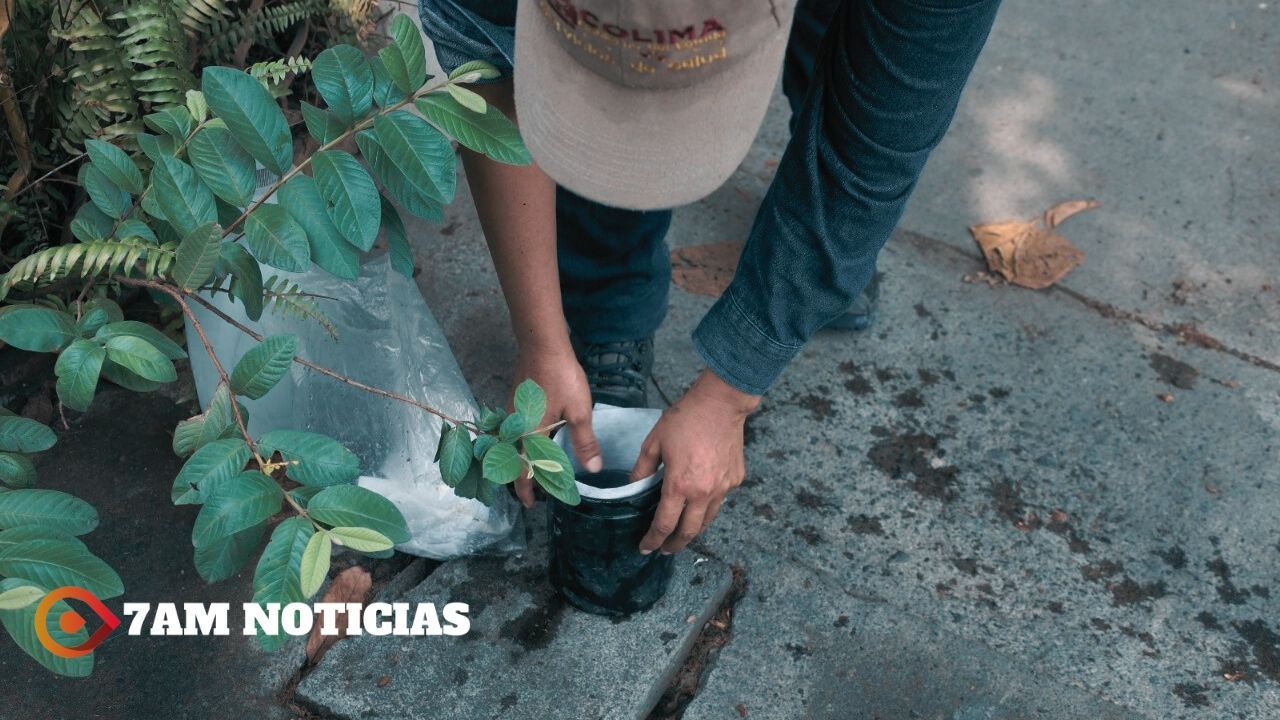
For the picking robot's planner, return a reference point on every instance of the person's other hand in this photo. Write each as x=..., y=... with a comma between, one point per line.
x=568, y=399
x=699, y=439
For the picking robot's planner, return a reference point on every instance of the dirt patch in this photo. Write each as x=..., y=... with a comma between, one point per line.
x=1174, y=372
x=1227, y=589
x=820, y=408
x=909, y=399
x=534, y=628
x=1129, y=591
x=863, y=525
x=810, y=500
x=1192, y=695
x=857, y=383
x=1265, y=645
x=919, y=456
x=714, y=635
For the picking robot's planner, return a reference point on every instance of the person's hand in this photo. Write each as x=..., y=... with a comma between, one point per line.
x=699, y=439
x=568, y=399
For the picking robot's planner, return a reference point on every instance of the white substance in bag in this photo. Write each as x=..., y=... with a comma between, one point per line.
x=387, y=338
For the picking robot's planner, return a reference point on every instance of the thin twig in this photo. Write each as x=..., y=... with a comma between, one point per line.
x=178, y=297
x=171, y=290
x=49, y=174
x=363, y=124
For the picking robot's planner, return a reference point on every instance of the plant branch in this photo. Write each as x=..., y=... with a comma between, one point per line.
x=176, y=292
x=362, y=125
x=225, y=379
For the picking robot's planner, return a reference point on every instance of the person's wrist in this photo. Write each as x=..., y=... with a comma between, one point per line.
x=723, y=395
x=545, y=345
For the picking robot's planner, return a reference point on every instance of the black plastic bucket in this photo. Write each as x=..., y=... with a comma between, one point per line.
x=595, y=560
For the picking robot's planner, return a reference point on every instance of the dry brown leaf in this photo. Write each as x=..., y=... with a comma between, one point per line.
x=1025, y=253
x=705, y=269
x=349, y=586
x=1054, y=216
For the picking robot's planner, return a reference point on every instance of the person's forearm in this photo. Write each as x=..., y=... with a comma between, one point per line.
x=517, y=209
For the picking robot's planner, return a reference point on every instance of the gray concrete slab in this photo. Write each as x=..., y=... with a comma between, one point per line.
x=528, y=654
x=803, y=647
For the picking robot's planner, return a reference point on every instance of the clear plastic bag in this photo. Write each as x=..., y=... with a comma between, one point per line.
x=386, y=338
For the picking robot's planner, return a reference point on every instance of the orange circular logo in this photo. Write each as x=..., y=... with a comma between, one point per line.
x=70, y=621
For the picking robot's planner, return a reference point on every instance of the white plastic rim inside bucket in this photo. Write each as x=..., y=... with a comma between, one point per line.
x=620, y=432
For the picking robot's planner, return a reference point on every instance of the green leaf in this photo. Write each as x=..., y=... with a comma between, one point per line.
x=91, y=321
x=472, y=71
x=55, y=563
x=211, y=464
x=502, y=463
x=395, y=181
x=408, y=39
x=135, y=228
x=37, y=329
x=315, y=459
x=386, y=89
x=24, y=435
x=467, y=99
x=251, y=115
x=329, y=249
x=482, y=445
x=156, y=146
x=277, y=239
x=397, y=239
x=490, y=133
x=219, y=419
x=116, y=165
x=304, y=493
x=354, y=506
x=21, y=626
x=223, y=165
x=263, y=366
x=51, y=509
x=78, y=368
x=109, y=198
x=278, y=576
x=223, y=558
x=234, y=504
x=391, y=62
x=247, y=278
x=187, y=435
x=559, y=484
x=114, y=313
x=455, y=455
x=314, y=567
x=361, y=539
x=197, y=254
x=90, y=223
x=17, y=470
x=20, y=597
x=475, y=487
x=345, y=82
x=142, y=330
x=323, y=125
x=548, y=465
x=513, y=427
x=531, y=403
x=175, y=122
x=491, y=419
x=196, y=105
x=347, y=187
x=186, y=201
x=141, y=358
x=421, y=153
x=126, y=378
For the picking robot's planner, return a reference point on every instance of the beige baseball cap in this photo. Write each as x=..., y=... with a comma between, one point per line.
x=645, y=104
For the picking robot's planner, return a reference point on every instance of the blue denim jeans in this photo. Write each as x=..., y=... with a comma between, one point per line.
x=873, y=86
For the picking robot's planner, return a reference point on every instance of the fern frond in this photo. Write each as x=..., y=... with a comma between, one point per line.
x=223, y=35
x=286, y=299
x=91, y=259
x=274, y=71
x=154, y=39
x=197, y=16
x=97, y=92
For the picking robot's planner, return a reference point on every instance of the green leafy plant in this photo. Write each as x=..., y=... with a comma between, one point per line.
x=182, y=218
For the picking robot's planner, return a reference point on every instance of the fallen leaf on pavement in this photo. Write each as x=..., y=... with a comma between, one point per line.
x=1029, y=253
x=1054, y=216
x=349, y=586
x=705, y=269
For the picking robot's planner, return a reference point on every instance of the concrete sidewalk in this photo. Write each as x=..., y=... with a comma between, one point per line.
x=980, y=508
x=996, y=462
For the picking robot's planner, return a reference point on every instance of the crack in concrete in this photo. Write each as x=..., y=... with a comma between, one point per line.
x=1186, y=333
